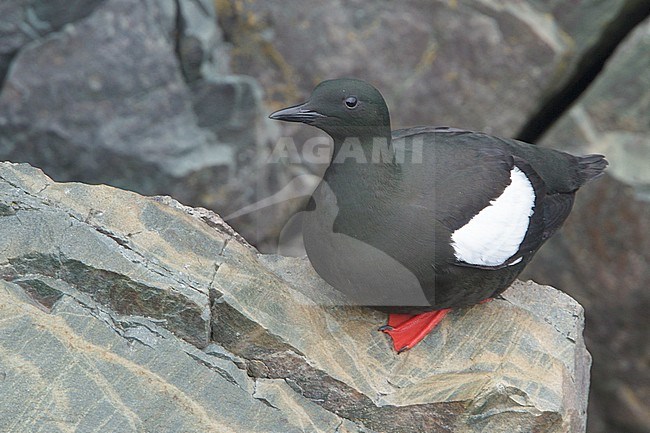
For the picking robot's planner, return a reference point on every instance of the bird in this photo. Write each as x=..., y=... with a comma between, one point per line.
x=419, y=221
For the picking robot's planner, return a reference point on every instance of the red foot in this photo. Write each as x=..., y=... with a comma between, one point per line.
x=407, y=330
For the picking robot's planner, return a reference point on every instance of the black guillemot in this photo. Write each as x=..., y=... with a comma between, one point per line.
x=418, y=221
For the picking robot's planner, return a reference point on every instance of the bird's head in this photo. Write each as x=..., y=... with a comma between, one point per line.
x=342, y=108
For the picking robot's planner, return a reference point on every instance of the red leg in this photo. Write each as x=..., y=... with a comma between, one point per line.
x=407, y=330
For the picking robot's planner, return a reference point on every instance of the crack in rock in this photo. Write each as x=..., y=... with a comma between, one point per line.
x=117, y=291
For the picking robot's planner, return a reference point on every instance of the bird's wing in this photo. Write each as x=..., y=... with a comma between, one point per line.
x=488, y=201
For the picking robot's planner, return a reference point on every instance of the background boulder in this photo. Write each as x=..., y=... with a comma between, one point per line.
x=136, y=95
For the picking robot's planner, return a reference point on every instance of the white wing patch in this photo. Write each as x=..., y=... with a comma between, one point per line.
x=493, y=235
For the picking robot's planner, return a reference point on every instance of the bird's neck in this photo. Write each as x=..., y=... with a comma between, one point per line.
x=373, y=149
x=363, y=164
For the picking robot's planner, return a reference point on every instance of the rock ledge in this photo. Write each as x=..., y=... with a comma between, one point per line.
x=141, y=314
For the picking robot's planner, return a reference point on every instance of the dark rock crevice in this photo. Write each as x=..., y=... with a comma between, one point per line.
x=188, y=50
x=5, y=59
x=223, y=373
x=108, y=288
x=559, y=98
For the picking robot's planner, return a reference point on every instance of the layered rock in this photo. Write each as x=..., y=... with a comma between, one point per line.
x=142, y=314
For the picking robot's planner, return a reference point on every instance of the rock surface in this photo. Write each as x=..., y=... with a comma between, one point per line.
x=137, y=95
x=612, y=116
x=79, y=367
x=140, y=314
x=604, y=265
x=603, y=255
x=22, y=22
x=436, y=62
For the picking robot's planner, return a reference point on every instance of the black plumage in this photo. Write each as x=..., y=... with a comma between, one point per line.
x=381, y=222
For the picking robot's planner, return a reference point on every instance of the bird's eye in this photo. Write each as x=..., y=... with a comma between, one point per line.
x=351, y=102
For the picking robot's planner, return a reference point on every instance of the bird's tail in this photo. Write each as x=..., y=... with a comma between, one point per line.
x=591, y=167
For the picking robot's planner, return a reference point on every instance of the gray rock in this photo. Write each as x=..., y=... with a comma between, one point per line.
x=602, y=255
x=74, y=245
x=24, y=21
x=84, y=264
x=93, y=106
x=199, y=43
x=137, y=95
x=604, y=264
x=82, y=368
x=612, y=116
x=437, y=62
x=581, y=25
